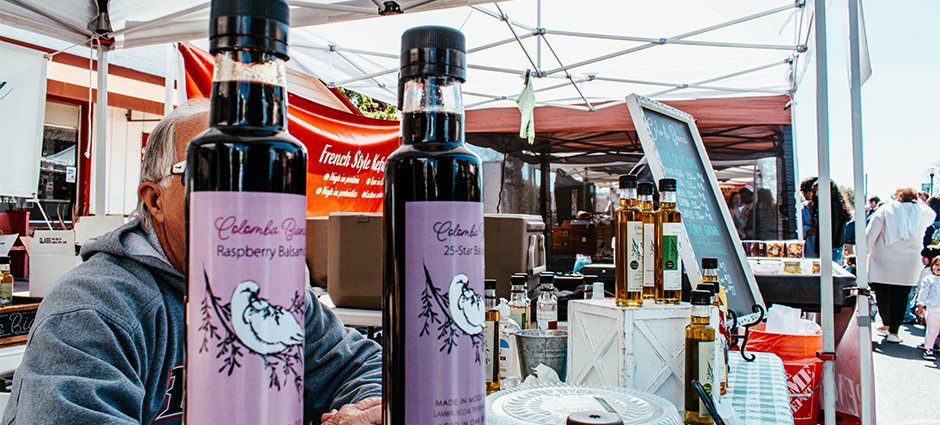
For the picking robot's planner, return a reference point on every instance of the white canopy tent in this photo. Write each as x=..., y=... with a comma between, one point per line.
x=583, y=55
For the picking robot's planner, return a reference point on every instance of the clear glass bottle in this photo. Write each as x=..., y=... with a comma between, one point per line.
x=6, y=282
x=547, y=304
x=628, y=255
x=518, y=302
x=699, y=358
x=492, y=337
x=668, y=225
x=433, y=218
x=645, y=203
x=245, y=186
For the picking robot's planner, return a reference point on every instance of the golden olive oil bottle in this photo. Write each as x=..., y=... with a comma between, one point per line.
x=628, y=255
x=668, y=226
x=645, y=202
x=492, y=337
x=699, y=359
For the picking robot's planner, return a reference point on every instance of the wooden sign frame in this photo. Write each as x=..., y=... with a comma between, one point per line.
x=735, y=263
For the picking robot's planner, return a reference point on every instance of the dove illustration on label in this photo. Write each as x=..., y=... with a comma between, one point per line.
x=445, y=313
x=245, y=301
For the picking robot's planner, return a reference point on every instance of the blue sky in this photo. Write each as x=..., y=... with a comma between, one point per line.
x=899, y=102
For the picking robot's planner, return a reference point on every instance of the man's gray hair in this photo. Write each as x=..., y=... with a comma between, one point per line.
x=160, y=153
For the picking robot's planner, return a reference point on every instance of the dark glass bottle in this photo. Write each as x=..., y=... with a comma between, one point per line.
x=433, y=316
x=246, y=207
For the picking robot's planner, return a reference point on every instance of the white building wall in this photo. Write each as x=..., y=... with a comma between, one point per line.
x=123, y=159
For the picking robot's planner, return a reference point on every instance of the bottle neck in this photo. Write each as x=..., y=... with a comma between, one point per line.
x=490, y=295
x=432, y=110
x=700, y=314
x=548, y=290
x=709, y=275
x=517, y=294
x=628, y=196
x=667, y=199
x=248, y=89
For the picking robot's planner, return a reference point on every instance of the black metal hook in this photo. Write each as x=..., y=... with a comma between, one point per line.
x=733, y=331
x=528, y=73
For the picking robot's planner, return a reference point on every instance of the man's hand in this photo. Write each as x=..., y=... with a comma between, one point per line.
x=365, y=412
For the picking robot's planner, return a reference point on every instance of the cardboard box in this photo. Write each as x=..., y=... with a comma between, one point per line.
x=318, y=250
x=89, y=227
x=354, y=264
x=51, y=255
x=514, y=243
x=641, y=348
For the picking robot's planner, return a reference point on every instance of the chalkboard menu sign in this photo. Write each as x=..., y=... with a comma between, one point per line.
x=674, y=149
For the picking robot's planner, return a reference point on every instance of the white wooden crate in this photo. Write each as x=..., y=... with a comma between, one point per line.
x=640, y=348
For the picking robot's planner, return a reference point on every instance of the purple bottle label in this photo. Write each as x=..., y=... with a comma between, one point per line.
x=245, y=317
x=445, y=348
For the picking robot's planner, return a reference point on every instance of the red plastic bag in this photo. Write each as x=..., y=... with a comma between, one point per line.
x=804, y=370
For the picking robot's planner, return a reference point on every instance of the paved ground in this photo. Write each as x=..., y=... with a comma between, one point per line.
x=907, y=387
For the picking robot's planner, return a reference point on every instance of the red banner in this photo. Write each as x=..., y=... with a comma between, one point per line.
x=346, y=153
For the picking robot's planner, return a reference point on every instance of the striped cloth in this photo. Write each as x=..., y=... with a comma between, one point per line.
x=758, y=389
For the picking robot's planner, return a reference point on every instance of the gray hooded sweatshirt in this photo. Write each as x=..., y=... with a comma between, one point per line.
x=107, y=344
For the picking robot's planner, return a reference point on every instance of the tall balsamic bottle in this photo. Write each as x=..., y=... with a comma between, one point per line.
x=433, y=317
x=246, y=206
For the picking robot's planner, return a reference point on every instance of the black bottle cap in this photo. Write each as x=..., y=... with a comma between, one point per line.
x=254, y=24
x=518, y=279
x=547, y=277
x=709, y=263
x=594, y=418
x=706, y=286
x=489, y=283
x=667, y=185
x=433, y=51
x=628, y=181
x=644, y=188
x=701, y=297
x=4, y=260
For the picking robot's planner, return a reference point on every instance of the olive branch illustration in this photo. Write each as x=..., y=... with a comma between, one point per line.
x=287, y=363
x=446, y=328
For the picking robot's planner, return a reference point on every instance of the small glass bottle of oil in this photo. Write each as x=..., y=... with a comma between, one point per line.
x=492, y=336
x=699, y=359
x=518, y=303
x=6, y=282
x=628, y=257
x=668, y=225
x=645, y=202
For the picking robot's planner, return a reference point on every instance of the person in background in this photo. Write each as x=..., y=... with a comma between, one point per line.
x=928, y=301
x=734, y=200
x=765, y=220
x=810, y=227
x=841, y=213
x=894, y=242
x=932, y=235
x=923, y=195
x=873, y=204
x=746, y=207
x=107, y=343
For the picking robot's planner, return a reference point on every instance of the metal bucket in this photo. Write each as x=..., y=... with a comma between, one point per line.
x=540, y=346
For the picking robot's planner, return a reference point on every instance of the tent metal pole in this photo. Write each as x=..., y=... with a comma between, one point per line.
x=824, y=237
x=518, y=40
x=538, y=23
x=368, y=11
x=502, y=17
x=334, y=47
x=658, y=40
x=101, y=133
x=719, y=78
x=500, y=43
x=160, y=20
x=861, y=244
x=170, y=80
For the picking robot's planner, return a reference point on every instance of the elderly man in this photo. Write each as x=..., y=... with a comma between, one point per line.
x=107, y=343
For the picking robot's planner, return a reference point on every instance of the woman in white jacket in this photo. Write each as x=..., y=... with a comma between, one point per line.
x=894, y=237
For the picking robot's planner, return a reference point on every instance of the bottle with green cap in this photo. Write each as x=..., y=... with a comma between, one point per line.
x=245, y=181
x=433, y=314
x=699, y=358
x=668, y=224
